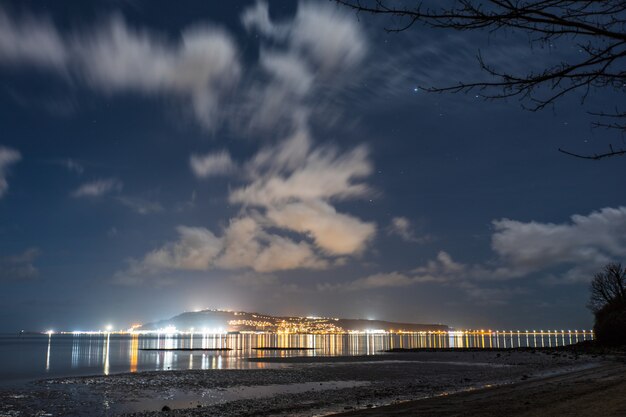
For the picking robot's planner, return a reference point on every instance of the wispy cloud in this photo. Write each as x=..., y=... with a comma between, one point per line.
x=304, y=64
x=327, y=36
x=188, y=204
x=243, y=245
x=8, y=157
x=115, y=58
x=19, y=267
x=289, y=191
x=289, y=187
x=443, y=270
x=211, y=164
x=584, y=244
x=31, y=40
x=72, y=165
x=556, y=253
x=98, y=188
x=140, y=205
x=402, y=227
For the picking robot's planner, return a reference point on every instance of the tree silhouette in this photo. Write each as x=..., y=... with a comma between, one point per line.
x=608, y=303
x=597, y=26
x=608, y=287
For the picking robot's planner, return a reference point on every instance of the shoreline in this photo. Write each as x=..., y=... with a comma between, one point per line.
x=596, y=390
x=301, y=386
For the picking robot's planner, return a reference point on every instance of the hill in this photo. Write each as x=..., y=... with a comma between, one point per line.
x=239, y=321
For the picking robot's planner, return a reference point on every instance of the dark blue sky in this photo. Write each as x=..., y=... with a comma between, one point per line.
x=156, y=158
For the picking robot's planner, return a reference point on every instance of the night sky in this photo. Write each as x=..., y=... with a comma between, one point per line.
x=158, y=157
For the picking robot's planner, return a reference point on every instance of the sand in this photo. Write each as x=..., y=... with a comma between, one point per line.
x=599, y=391
x=526, y=380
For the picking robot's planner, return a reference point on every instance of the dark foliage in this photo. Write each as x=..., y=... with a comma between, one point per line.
x=608, y=287
x=608, y=302
x=610, y=326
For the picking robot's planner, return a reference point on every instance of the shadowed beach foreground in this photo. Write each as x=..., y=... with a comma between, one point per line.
x=597, y=391
x=444, y=382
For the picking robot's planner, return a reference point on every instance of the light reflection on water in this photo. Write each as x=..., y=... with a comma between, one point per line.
x=38, y=356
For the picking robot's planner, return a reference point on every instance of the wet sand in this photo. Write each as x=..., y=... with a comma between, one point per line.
x=313, y=386
x=599, y=391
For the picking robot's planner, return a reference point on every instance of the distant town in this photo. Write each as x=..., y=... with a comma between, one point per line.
x=217, y=321
x=227, y=321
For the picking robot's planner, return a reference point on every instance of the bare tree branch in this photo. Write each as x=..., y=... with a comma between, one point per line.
x=596, y=157
x=608, y=287
x=598, y=27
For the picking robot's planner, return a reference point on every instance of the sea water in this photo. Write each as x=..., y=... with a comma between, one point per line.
x=35, y=356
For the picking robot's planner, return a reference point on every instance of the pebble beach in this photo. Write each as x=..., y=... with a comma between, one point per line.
x=292, y=386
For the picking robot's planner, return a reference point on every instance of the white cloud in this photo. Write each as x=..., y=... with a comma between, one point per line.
x=335, y=233
x=280, y=99
x=257, y=18
x=289, y=71
x=401, y=226
x=287, y=218
x=140, y=205
x=211, y=164
x=595, y=238
x=73, y=165
x=584, y=244
x=287, y=155
x=196, y=249
x=247, y=245
x=20, y=266
x=375, y=281
x=304, y=61
x=116, y=58
x=97, y=188
x=290, y=187
x=556, y=253
x=8, y=157
x=501, y=295
x=328, y=36
x=200, y=67
x=243, y=245
x=293, y=171
x=295, y=184
x=443, y=270
x=293, y=181
x=31, y=41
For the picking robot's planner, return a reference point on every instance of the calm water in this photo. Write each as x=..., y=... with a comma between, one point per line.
x=28, y=357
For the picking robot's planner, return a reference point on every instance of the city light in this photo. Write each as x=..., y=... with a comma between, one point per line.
x=255, y=323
